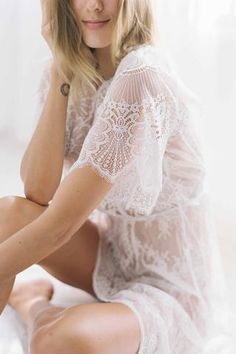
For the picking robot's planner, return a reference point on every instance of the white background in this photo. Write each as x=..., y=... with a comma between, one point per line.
x=200, y=36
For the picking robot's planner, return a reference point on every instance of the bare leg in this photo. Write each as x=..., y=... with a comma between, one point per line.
x=108, y=328
x=4, y=293
x=31, y=301
x=72, y=264
x=10, y=222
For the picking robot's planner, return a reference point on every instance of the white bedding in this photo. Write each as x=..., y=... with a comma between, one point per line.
x=13, y=334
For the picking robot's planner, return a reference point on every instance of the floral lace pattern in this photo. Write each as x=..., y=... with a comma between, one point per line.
x=158, y=250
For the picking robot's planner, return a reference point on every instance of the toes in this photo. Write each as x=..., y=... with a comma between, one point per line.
x=26, y=290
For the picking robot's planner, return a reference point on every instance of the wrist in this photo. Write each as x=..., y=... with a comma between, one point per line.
x=62, y=86
x=65, y=89
x=56, y=75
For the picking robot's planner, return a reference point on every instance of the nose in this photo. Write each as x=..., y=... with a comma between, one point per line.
x=94, y=5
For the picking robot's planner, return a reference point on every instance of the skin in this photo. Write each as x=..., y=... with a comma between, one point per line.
x=99, y=38
x=60, y=238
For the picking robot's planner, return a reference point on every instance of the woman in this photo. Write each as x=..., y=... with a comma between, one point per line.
x=130, y=222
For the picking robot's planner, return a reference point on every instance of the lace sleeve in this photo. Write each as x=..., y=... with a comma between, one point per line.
x=134, y=118
x=41, y=96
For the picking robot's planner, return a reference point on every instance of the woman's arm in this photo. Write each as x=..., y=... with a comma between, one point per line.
x=77, y=196
x=42, y=163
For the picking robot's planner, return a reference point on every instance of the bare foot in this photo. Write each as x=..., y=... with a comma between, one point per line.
x=26, y=294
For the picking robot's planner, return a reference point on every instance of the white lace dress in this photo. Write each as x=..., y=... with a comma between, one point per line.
x=158, y=252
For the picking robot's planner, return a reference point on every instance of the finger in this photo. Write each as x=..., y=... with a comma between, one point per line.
x=45, y=15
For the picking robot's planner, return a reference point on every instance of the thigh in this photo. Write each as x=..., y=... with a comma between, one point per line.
x=107, y=328
x=74, y=262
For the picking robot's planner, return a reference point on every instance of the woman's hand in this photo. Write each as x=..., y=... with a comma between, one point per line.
x=45, y=31
x=45, y=27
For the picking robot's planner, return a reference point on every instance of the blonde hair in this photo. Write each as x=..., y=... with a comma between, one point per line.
x=134, y=26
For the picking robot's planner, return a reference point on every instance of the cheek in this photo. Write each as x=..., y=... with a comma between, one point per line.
x=77, y=6
x=113, y=5
x=77, y=9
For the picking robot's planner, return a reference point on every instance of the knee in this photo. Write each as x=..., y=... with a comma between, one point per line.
x=15, y=213
x=10, y=206
x=9, y=201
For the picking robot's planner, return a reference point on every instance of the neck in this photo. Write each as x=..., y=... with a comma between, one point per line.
x=106, y=69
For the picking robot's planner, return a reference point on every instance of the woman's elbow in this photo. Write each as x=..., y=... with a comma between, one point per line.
x=37, y=196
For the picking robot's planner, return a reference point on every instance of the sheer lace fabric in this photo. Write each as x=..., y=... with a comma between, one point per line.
x=158, y=251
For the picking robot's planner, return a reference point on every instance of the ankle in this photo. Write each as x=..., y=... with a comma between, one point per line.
x=39, y=308
x=37, y=313
x=42, y=316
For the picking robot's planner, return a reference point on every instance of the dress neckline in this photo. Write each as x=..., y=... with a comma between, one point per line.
x=104, y=83
x=132, y=49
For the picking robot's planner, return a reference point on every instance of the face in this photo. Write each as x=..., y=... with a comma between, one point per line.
x=96, y=19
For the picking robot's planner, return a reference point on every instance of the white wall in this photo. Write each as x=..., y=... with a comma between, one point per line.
x=200, y=36
x=22, y=50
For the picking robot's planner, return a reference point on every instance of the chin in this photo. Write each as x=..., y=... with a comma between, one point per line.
x=97, y=43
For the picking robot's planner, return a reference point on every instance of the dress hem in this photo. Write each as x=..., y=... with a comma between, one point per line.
x=125, y=302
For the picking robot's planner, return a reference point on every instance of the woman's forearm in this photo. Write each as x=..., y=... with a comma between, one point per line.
x=31, y=244
x=42, y=163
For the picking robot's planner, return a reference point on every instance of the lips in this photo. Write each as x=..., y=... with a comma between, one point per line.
x=97, y=21
x=95, y=24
